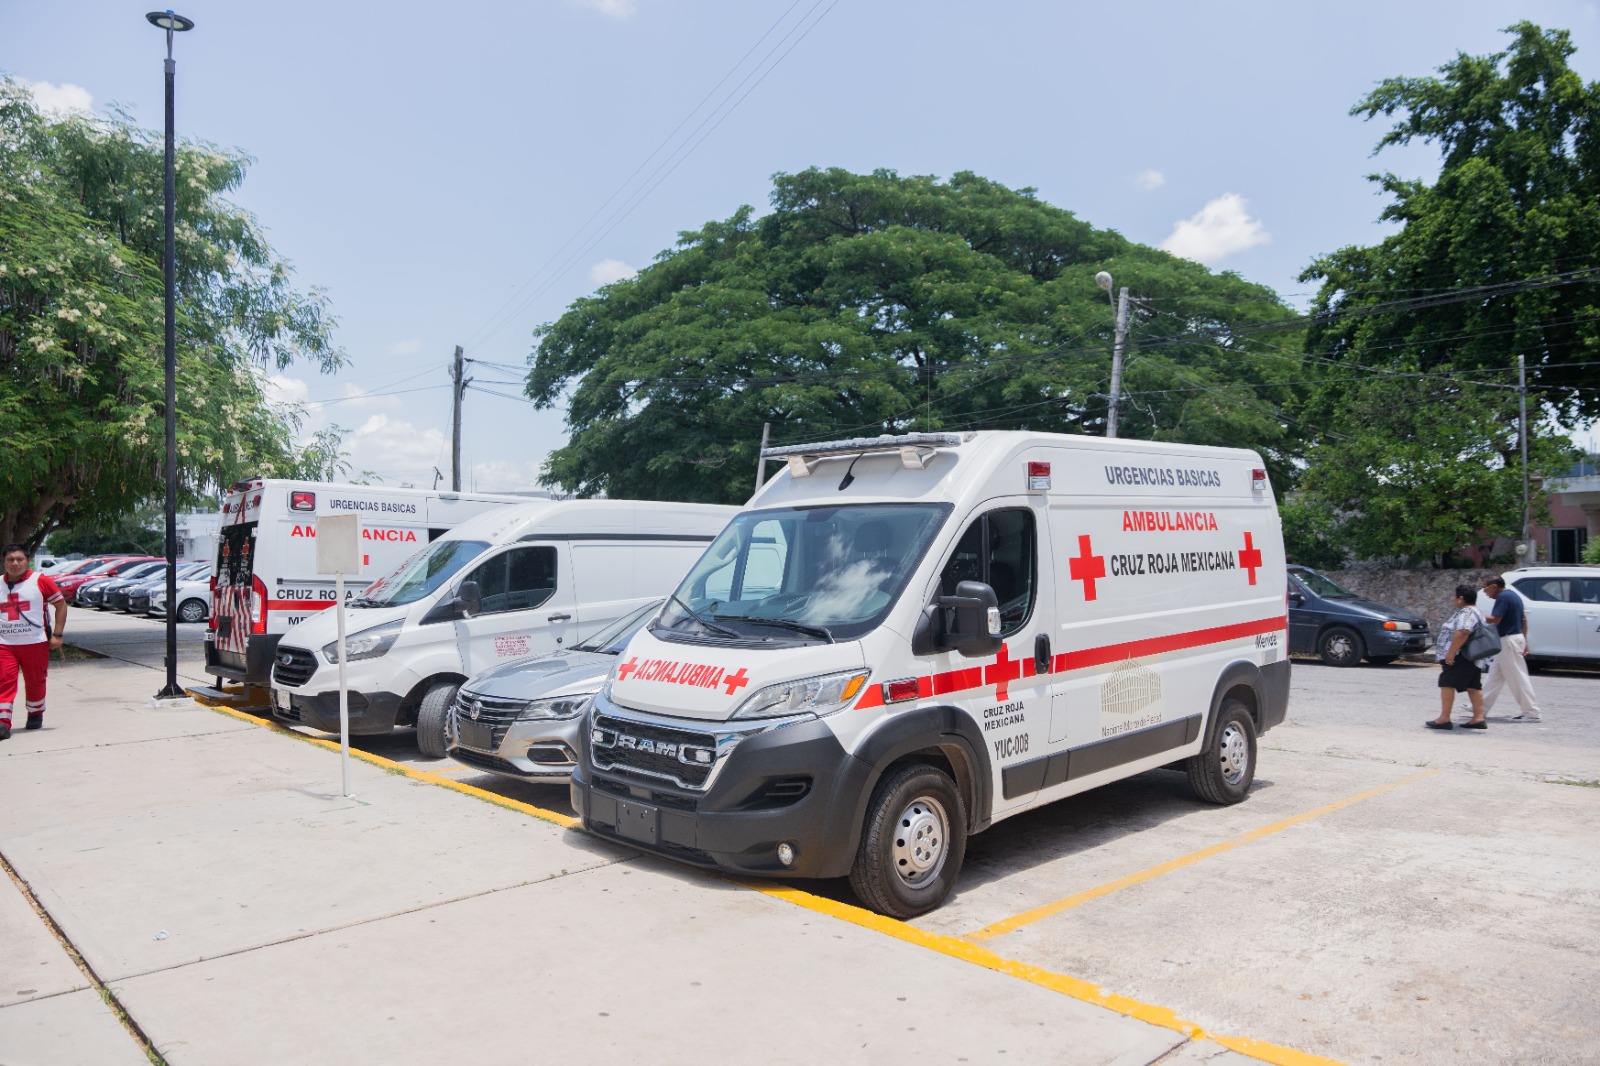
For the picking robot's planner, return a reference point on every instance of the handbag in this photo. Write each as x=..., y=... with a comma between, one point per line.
x=1484, y=643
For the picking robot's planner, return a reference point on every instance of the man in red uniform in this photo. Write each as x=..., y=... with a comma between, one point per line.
x=26, y=636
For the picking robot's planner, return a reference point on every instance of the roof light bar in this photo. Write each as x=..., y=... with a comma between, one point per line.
x=915, y=449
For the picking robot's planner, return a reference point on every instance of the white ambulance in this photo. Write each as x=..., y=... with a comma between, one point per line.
x=901, y=640
x=264, y=580
x=519, y=581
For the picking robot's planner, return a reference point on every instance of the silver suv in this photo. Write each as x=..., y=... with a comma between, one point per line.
x=1563, y=604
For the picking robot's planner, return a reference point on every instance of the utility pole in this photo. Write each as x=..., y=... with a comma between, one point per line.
x=1522, y=431
x=761, y=468
x=1116, y=362
x=460, y=384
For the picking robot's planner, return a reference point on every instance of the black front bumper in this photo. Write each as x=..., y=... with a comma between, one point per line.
x=793, y=785
x=371, y=713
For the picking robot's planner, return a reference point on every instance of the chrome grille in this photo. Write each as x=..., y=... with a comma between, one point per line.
x=496, y=714
x=655, y=751
x=293, y=667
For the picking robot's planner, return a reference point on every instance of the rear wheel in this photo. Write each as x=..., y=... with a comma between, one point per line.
x=431, y=715
x=1223, y=770
x=913, y=843
x=1341, y=647
x=192, y=611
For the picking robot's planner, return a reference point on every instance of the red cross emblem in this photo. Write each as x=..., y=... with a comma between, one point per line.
x=1087, y=567
x=627, y=668
x=735, y=682
x=1250, y=558
x=13, y=608
x=1002, y=672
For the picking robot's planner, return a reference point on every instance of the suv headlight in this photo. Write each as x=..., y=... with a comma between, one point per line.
x=816, y=695
x=556, y=707
x=367, y=644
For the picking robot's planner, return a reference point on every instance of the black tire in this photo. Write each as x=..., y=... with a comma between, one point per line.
x=192, y=611
x=432, y=713
x=1340, y=646
x=1382, y=660
x=1226, y=766
x=913, y=843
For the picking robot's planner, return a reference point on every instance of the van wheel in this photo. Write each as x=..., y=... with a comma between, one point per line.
x=1341, y=647
x=191, y=611
x=913, y=843
x=1223, y=770
x=431, y=715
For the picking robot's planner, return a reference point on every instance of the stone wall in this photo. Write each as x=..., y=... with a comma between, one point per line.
x=1428, y=592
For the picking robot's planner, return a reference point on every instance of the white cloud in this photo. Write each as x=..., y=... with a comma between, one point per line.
x=617, y=9
x=1150, y=179
x=396, y=449
x=503, y=475
x=355, y=398
x=282, y=389
x=1218, y=230
x=59, y=99
x=608, y=270
x=411, y=347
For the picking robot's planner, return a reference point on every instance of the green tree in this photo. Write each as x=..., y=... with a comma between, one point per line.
x=866, y=304
x=1419, y=469
x=81, y=323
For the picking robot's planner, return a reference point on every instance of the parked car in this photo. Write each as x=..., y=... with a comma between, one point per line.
x=1328, y=620
x=135, y=596
x=93, y=593
x=194, y=598
x=1563, y=604
x=109, y=566
x=522, y=718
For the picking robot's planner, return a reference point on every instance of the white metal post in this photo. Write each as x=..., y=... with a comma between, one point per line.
x=1116, y=362
x=344, y=690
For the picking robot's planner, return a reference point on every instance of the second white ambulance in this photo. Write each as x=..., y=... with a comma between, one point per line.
x=902, y=640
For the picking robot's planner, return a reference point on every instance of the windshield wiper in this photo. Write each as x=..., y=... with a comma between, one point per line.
x=723, y=631
x=784, y=623
x=364, y=601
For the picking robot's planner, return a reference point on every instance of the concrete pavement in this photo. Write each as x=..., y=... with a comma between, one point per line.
x=241, y=910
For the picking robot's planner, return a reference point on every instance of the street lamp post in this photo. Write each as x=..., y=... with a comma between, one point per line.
x=171, y=23
x=1113, y=409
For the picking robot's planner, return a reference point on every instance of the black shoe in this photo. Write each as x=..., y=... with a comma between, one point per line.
x=1431, y=724
x=35, y=721
x=1464, y=725
x=5, y=731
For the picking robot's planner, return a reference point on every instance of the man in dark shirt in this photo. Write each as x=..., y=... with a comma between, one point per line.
x=1509, y=671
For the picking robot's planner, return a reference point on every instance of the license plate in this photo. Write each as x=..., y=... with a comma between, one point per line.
x=475, y=735
x=637, y=821
x=280, y=699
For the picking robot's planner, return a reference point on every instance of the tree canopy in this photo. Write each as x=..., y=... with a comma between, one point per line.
x=1420, y=333
x=82, y=380
x=877, y=303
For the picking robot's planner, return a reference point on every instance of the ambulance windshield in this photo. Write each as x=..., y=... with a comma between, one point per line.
x=802, y=575
x=419, y=575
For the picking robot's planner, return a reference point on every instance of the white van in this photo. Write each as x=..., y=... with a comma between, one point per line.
x=901, y=640
x=264, y=580
x=519, y=581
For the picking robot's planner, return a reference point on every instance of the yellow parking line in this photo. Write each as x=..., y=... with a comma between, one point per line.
x=954, y=947
x=566, y=821
x=1038, y=913
x=1077, y=988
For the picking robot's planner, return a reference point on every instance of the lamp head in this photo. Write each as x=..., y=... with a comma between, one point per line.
x=1103, y=280
x=169, y=21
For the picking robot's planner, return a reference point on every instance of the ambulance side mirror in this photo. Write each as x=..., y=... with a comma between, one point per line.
x=972, y=617
x=469, y=600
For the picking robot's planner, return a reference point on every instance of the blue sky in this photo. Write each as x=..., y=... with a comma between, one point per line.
x=434, y=169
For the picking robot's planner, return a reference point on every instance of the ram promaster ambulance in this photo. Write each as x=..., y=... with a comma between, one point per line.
x=519, y=581
x=901, y=640
x=265, y=579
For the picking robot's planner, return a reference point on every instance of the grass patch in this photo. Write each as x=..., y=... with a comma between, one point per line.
x=1570, y=781
x=71, y=653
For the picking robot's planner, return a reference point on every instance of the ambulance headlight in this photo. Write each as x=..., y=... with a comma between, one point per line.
x=817, y=695
x=556, y=707
x=367, y=644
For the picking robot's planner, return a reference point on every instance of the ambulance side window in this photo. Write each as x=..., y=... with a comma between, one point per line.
x=518, y=580
x=999, y=549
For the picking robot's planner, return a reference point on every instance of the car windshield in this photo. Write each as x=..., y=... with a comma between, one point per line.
x=421, y=574
x=142, y=570
x=1324, y=587
x=614, y=637
x=802, y=573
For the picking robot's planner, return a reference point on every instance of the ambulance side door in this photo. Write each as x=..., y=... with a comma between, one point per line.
x=1006, y=693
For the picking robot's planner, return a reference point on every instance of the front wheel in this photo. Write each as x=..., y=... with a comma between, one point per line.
x=1223, y=770
x=192, y=611
x=431, y=715
x=913, y=844
x=1341, y=647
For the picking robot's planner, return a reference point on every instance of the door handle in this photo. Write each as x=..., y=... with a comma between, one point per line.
x=559, y=618
x=1041, y=653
